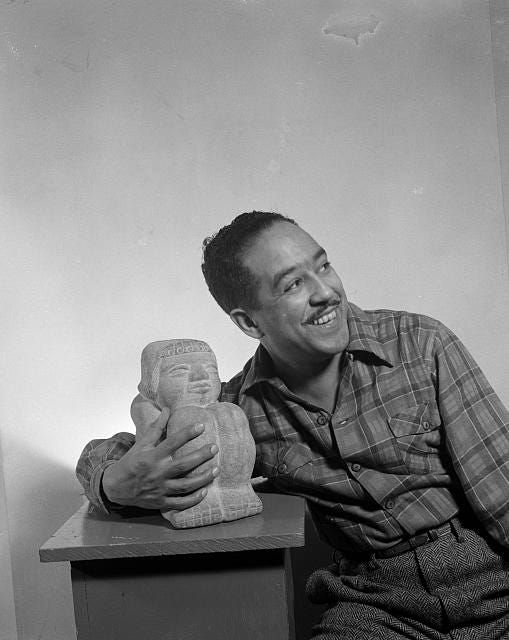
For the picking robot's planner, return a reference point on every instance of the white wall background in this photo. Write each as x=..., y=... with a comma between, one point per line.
x=130, y=130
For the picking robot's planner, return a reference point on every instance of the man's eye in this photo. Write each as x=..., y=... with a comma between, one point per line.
x=293, y=285
x=325, y=266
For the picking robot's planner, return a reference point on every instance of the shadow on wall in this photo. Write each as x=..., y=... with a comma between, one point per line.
x=48, y=494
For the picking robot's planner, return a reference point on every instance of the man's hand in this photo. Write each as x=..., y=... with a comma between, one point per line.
x=148, y=477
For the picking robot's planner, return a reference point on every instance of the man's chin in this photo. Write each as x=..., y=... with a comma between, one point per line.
x=327, y=350
x=330, y=343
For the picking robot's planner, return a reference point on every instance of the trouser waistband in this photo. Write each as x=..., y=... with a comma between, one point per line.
x=420, y=539
x=453, y=526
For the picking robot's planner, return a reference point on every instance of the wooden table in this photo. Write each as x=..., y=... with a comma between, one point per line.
x=135, y=578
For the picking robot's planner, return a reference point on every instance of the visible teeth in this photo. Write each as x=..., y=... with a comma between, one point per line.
x=327, y=318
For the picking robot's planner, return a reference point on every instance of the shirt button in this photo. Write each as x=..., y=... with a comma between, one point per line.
x=343, y=422
x=321, y=419
x=282, y=468
x=390, y=504
x=426, y=426
x=356, y=467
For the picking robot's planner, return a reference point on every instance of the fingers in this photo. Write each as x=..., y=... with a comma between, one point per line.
x=184, y=465
x=178, y=503
x=177, y=439
x=187, y=492
x=191, y=483
x=180, y=493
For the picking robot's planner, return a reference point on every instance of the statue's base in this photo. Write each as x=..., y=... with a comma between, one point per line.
x=219, y=505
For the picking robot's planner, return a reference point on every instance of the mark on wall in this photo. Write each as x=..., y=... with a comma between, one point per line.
x=12, y=46
x=145, y=235
x=77, y=62
x=283, y=133
x=163, y=100
x=353, y=27
x=273, y=167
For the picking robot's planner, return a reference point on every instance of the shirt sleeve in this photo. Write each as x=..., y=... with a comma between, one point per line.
x=476, y=426
x=96, y=456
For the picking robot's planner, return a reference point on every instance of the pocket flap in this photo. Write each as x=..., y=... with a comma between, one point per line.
x=411, y=421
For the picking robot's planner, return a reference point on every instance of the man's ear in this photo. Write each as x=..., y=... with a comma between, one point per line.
x=245, y=322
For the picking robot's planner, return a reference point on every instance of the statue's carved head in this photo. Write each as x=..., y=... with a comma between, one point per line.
x=179, y=372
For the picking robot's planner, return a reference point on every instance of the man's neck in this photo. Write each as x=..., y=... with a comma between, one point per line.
x=318, y=384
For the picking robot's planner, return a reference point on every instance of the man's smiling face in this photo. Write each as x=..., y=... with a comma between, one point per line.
x=301, y=311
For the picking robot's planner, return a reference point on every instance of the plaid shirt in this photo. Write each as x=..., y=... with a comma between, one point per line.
x=417, y=437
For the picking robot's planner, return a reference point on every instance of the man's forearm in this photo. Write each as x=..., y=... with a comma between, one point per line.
x=95, y=458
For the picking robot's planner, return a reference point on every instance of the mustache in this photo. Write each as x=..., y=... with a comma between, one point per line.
x=332, y=303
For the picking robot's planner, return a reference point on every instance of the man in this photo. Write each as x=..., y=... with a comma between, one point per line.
x=381, y=419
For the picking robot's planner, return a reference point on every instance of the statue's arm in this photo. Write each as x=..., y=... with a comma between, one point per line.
x=144, y=414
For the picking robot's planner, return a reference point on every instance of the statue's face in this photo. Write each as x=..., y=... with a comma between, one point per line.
x=188, y=378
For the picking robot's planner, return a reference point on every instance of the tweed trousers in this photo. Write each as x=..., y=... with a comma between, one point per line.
x=456, y=587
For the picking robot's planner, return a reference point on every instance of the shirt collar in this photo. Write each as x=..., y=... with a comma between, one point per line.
x=261, y=370
x=363, y=336
x=363, y=340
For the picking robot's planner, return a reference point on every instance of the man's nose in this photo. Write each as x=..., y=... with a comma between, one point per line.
x=198, y=372
x=322, y=292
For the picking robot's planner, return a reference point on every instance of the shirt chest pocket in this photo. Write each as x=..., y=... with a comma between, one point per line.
x=418, y=437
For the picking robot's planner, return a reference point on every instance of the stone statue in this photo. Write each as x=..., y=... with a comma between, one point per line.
x=182, y=375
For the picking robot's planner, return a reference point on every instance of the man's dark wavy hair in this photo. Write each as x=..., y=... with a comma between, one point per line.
x=230, y=282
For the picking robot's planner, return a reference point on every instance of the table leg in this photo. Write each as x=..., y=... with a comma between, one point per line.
x=223, y=596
